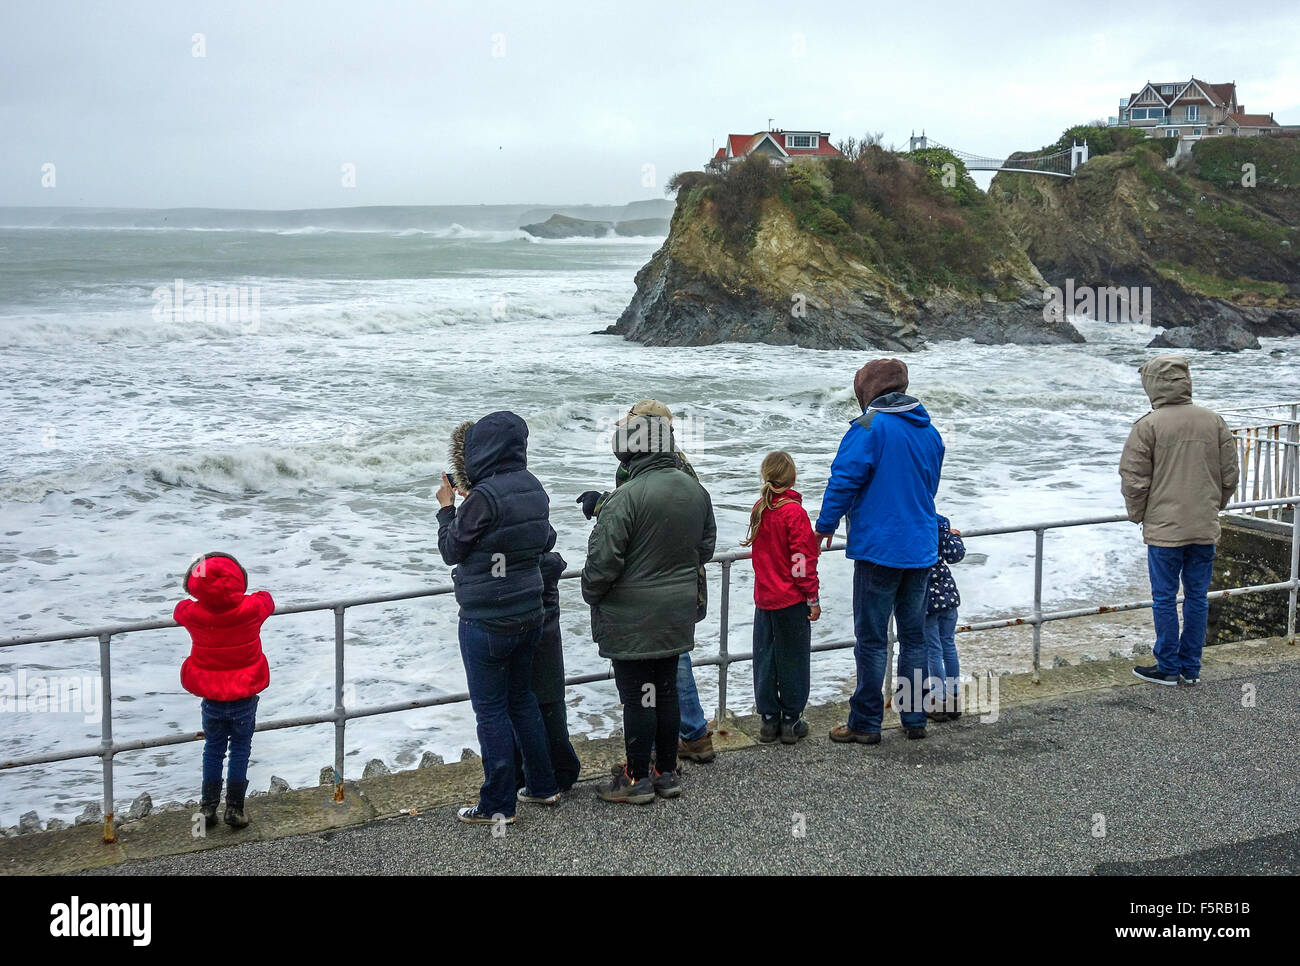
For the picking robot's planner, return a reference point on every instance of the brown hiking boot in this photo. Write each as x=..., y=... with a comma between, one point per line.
x=700, y=750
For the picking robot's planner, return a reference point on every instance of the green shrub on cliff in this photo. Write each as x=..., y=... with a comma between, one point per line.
x=922, y=223
x=1222, y=161
x=1100, y=140
x=962, y=186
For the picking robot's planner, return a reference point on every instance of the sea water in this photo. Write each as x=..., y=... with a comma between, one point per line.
x=308, y=442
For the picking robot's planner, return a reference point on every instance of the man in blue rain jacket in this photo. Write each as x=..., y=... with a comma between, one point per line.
x=884, y=479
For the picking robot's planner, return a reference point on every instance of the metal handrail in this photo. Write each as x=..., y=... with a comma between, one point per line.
x=1268, y=451
x=108, y=748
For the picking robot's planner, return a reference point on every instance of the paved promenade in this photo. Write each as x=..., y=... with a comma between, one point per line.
x=1179, y=780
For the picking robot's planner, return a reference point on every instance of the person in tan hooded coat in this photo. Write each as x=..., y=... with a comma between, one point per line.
x=1177, y=472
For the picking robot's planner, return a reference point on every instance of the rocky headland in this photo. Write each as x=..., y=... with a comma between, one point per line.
x=892, y=250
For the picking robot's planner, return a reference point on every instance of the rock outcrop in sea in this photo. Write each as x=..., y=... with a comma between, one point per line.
x=562, y=226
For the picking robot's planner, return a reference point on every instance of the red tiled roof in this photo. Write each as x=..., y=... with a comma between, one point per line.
x=722, y=153
x=741, y=144
x=1253, y=120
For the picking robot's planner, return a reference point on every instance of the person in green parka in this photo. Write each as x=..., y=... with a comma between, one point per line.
x=651, y=537
x=696, y=739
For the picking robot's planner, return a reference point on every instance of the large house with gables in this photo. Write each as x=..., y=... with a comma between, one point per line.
x=1191, y=109
x=779, y=146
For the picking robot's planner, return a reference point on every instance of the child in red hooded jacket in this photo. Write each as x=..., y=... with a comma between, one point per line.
x=785, y=601
x=227, y=669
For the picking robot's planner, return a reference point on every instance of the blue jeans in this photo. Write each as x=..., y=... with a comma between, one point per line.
x=499, y=672
x=694, y=723
x=941, y=650
x=1194, y=564
x=228, y=723
x=877, y=592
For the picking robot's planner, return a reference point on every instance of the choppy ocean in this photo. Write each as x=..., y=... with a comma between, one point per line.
x=306, y=437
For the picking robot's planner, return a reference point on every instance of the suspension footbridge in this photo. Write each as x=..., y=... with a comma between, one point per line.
x=1058, y=164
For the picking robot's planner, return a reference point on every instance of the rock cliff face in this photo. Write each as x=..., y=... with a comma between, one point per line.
x=800, y=277
x=1219, y=258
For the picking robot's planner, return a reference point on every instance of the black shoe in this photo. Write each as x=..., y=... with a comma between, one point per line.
x=208, y=803
x=235, y=816
x=473, y=815
x=770, y=731
x=937, y=716
x=1191, y=682
x=915, y=733
x=1153, y=675
x=792, y=731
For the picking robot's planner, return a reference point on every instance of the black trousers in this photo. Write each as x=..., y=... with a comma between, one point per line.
x=651, y=717
x=555, y=716
x=782, y=661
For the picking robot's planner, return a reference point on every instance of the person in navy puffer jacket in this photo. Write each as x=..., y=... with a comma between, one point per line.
x=495, y=540
x=884, y=479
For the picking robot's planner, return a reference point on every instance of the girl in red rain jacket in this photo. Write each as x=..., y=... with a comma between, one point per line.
x=227, y=669
x=785, y=601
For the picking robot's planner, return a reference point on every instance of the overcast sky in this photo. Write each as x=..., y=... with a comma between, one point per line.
x=562, y=102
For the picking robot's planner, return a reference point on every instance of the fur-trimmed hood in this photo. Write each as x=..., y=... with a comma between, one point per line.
x=457, y=456
x=497, y=443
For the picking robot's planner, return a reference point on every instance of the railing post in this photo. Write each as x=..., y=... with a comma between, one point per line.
x=724, y=610
x=340, y=722
x=1038, y=600
x=1293, y=453
x=1295, y=568
x=106, y=733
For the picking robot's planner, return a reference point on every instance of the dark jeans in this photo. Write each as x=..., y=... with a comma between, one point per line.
x=498, y=670
x=782, y=661
x=877, y=592
x=1193, y=564
x=648, y=690
x=555, y=718
x=228, y=724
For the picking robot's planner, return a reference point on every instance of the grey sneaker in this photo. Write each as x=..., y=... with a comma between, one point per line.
x=792, y=731
x=667, y=784
x=1190, y=682
x=621, y=788
x=770, y=731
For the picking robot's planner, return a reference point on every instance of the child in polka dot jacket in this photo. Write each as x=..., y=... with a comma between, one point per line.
x=942, y=601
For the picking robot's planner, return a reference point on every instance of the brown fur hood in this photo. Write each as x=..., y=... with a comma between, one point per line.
x=459, y=478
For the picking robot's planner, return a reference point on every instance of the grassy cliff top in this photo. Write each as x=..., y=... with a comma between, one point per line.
x=1221, y=223
x=916, y=218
